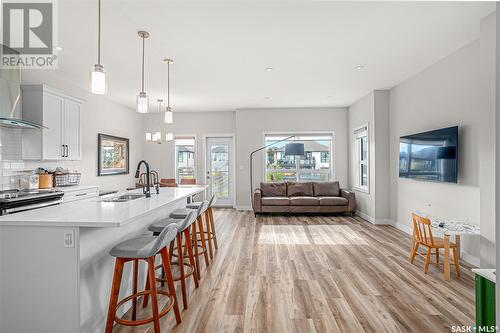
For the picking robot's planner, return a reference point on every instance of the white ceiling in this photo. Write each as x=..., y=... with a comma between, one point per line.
x=221, y=49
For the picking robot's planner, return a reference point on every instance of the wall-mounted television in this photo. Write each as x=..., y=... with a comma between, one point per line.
x=430, y=156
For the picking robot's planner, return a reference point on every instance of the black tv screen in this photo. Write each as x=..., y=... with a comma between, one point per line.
x=430, y=156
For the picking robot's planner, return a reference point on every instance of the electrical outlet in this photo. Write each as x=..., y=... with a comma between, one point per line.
x=69, y=238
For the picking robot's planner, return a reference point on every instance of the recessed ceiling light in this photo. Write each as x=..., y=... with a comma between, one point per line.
x=269, y=69
x=58, y=48
x=360, y=67
x=267, y=97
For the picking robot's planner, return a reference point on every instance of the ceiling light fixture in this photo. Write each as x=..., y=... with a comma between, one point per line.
x=142, y=98
x=269, y=69
x=360, y=67
x=169, y=114
x=98, y=75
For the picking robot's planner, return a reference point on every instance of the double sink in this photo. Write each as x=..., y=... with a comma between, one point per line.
x=124, y=198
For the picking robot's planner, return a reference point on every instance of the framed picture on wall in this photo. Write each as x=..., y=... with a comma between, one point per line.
x=113, y=155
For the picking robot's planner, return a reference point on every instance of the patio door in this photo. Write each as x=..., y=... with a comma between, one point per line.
x=219, y=169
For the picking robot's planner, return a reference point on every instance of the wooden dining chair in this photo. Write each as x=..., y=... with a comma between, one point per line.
x=422, y=235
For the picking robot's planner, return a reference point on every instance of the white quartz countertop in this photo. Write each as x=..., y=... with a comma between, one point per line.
x=487, y=273
x=96, y=213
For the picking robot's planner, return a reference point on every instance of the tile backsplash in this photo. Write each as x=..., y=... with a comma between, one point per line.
x=11, y=163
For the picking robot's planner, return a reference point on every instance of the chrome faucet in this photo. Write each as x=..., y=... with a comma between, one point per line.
x=145, y=189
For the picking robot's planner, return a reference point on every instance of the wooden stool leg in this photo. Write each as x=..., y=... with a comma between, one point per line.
x=437, y=257
x=146, y=296
x=196, y=251
x=154, y=293
x=203, y=240
x=209, y=234
x=180, y=257
x=170, y=282
x=134, y=287
x=189, y=248
x=115, y=290
x=212, y=224
x=456, y=256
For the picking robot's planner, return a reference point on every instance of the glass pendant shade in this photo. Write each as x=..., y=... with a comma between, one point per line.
x=98, y=80
x=142, y=103
x=169, y=116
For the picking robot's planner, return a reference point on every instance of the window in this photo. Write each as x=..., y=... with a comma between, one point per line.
x=361, y=158
x=315, y=165
x=185, y=167
x=325, y=157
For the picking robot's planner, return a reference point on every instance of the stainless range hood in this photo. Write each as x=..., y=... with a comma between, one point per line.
x=10, y=97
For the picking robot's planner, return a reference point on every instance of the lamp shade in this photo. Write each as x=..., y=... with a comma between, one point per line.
x=142, y=103
x=98, y=80
x=296, y=149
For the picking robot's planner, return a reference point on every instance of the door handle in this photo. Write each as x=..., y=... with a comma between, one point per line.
x=62, y=150
x=67, y=150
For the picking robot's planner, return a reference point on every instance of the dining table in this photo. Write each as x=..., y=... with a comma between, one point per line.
x=447, y=229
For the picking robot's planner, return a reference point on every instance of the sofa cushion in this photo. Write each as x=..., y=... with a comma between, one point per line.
x=304, y=189
x=304, y=201
x=333, y=201
x=326, y=189
x=275, y=201
x=273, y=189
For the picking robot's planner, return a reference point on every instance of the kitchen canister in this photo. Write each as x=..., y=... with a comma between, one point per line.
x=45, y=181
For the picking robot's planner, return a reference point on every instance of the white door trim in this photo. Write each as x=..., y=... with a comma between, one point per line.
x=233, y=159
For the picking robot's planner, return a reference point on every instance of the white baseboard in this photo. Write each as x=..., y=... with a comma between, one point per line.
x=405, y=228
x=365, y=217
x=243, y=208
x=373, y=220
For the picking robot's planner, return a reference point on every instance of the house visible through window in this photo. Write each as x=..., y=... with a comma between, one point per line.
x=315, y=165
x=185, y=167
x=360, y=154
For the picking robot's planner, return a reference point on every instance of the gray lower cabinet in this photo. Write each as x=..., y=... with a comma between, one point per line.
x=60, y=115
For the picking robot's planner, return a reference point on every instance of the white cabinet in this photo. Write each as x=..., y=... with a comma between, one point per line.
x=79, y=193
x=60, y=115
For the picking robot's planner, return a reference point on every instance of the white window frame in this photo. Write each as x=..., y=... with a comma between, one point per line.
x=297, y=169
x=176, y=160
x=358, y=133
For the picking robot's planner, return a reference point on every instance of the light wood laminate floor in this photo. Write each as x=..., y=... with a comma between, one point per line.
x=319, y=274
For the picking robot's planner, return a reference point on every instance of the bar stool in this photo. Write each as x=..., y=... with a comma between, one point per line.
x=199, y=242
x=143, y=248
x=209, y=222
x=184, y=226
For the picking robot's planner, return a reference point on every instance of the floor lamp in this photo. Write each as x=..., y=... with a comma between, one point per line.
x=291, y=149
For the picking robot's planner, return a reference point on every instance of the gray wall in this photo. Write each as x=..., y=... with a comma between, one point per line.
x=487, y=135
x=252, y=124
x=445, y=94
x=373, y=109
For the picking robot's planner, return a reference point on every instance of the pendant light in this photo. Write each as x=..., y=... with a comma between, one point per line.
x=159, y=100
x=98, y=75
x=169, y=115
x=142, y=98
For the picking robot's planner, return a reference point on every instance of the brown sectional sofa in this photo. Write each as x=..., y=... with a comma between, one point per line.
x=303, y=197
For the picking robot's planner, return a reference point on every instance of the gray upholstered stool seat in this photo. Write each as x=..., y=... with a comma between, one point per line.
x=180, y=213
x=144, y=246
x=158, y=226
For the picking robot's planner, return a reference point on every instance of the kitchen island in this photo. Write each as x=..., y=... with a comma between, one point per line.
x=55, y=270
